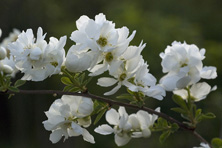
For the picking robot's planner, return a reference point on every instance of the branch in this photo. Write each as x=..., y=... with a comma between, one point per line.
x=111, y=102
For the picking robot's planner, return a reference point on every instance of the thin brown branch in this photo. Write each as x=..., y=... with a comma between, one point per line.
x=200, y=138
x=111, y=102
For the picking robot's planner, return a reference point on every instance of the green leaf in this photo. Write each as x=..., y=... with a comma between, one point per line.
x=98, y=106
x=216, y=143
x=74, y=89
x=76, y=82
x=19, y=83
x=99, y=116
x=162, y=122
x=81, y=78
x=76, y=75
x=67, y=88
x=87, y=81
x=178, y=100
x=179, y=110
x=164, y=136
x=209, y=115
x=205, y=116
x=127, y=97
x=14, y=89
x=198, y=112
x=174, y=127
x=66, y=81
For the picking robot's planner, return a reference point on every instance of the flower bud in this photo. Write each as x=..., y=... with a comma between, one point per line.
x=3, y=53
x=7, y=69
x=78, y=62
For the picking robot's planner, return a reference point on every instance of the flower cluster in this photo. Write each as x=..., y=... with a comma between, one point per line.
x=101, y=47
x=127, y=126
x=7, y=65
x=69, y=116
x=36, y=58
x=183, y=64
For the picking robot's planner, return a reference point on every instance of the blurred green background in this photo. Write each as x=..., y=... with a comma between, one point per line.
x=158, y=23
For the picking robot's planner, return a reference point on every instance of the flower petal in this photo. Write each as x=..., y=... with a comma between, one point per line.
x=87, y=136
x=183, y=82
x=55, y=136
x=114, y=90
x=182, y=93
x=104, y=129
x=77, y=129
x=112, y=117
x=209, y=72
x=200, y=90
x=106, y=82
x=120, y=141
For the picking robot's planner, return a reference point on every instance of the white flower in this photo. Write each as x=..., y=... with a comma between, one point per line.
x=121, y=76
x=203, y=145
x=99, y=34
x=112, y=58
x=141, y=123
x=79, y=60
x=121, y=127
x=124, y=69
x=183, y=65
x=132, y=72
x=54, y=55
x=145, y=82
x=67, y=115
x=127, y=127
x=102, y=38
x=35, y=58
x=198, y=91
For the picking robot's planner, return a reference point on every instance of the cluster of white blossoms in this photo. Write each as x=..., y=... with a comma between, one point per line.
x=7, y=61
x=101, y=47
x=127, y=126
x=36, y=58
x=69, y=116
x=183, y=64
x=6, y=64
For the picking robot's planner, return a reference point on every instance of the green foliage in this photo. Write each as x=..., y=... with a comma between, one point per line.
x=74, y=82
x=99, y=108
x=128, y=97
x=165, y=127
x=5, y=84
x=189, y=111
x=19, y=83
x=136, y=98
x=216, y=143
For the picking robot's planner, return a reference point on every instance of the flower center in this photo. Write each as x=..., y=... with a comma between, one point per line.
x=122, y=77
x=109, y=57
x=183, y=65
x=102, y=41
x=55, y=64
